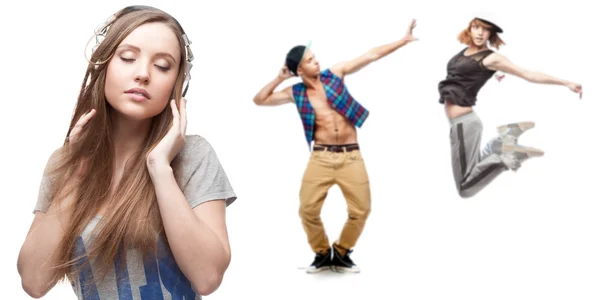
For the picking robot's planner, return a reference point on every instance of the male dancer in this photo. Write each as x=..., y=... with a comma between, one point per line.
x=330, y=116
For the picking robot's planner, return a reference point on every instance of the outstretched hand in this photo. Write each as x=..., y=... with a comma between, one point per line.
x=409, y=34
x=576, y=87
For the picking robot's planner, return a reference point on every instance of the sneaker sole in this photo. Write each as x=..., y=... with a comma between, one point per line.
x=522, y=125
x=319, y=270
x=530, y=151
x=344, y=270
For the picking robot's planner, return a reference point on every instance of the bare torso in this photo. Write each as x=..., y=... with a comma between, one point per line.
x=331, y=128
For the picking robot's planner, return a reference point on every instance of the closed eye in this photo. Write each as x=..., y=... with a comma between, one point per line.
x=164, y=69
x=130, y=60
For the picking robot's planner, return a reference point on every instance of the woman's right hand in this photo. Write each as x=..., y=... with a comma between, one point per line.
x=84, y=119
x=75, y=135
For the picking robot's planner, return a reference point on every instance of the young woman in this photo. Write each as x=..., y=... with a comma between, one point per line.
x=468, y=71
x=130, y=207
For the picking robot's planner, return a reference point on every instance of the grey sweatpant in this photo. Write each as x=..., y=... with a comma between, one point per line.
x=473, y=169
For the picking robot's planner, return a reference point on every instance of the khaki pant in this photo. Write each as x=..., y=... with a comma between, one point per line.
x=347, y=170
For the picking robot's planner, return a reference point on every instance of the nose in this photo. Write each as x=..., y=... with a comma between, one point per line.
x=142, y=74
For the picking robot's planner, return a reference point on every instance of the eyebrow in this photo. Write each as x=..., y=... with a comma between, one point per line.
x=160, y=54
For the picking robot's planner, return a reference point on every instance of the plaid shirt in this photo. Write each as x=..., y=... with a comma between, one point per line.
x=337, y=96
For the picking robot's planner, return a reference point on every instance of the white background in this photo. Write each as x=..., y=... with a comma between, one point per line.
x=529, y=235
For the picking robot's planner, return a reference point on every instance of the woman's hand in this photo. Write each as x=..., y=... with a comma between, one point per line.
x=576, y=88
x=84, y=119
x=173, y=141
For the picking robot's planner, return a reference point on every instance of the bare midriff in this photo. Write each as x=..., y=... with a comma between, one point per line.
x=455, y=111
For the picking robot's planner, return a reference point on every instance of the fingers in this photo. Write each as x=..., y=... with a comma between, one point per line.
x=84, y=119
x=183, y=115
x=179, y=115
x=577, y=88
x=175, y=112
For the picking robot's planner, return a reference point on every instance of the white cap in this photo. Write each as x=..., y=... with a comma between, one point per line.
x=490, y=18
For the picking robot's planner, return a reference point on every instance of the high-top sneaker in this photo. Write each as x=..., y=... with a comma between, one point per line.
x=343, y=264
x=514, y=155
x=509, y=133
x=322, y=262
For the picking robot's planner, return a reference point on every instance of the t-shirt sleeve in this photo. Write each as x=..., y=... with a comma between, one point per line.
x=46, y=188
x=204, y=176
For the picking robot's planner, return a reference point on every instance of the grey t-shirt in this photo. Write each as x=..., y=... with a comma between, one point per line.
x=202, y=179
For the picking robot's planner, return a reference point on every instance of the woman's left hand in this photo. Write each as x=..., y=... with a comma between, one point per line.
x=173, y=141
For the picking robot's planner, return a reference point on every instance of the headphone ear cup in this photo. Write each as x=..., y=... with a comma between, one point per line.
x=188, y=77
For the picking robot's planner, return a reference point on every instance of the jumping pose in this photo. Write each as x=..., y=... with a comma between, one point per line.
x=468, y=71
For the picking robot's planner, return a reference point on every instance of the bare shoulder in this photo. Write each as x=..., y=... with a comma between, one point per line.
x=338, y=69
x=493, y=59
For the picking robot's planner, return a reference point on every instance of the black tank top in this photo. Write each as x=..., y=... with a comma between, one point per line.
x=466, y=76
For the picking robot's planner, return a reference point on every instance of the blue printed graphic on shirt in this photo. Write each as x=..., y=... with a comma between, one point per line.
x=158, y=277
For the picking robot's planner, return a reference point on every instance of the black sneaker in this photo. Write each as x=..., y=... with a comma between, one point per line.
x=322, y=262
x=343, y=264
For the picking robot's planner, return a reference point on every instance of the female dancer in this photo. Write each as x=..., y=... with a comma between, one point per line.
x=468, y=71
x=130, y=207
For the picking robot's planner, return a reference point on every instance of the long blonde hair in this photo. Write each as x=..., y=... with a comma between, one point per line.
x=84, y=169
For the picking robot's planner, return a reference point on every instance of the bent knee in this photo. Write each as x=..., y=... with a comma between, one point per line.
x=309, y=212
x=465, y=194
x=360, y=213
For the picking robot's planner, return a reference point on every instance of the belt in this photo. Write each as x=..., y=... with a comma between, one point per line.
x=336, y=148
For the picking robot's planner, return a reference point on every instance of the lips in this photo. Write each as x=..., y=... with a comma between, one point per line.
x=138, y=93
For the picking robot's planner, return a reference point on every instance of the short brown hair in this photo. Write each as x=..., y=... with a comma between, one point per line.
x=465, y=36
